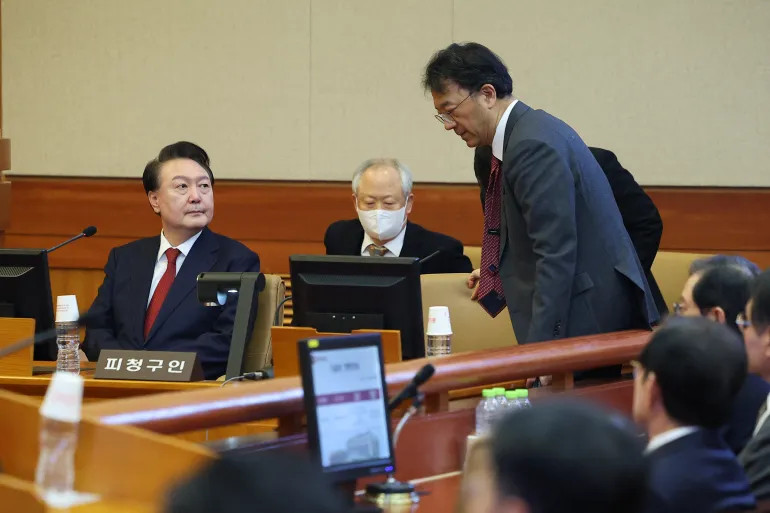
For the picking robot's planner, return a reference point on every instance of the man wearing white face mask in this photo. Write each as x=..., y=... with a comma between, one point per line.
x=383, y=199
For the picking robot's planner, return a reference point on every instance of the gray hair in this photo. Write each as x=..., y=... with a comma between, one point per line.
x=403, y=172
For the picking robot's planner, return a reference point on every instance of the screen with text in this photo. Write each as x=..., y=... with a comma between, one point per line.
x=350, y=405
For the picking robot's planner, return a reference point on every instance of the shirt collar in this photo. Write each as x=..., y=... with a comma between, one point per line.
x=394, y=245
x=669, y=436
x=763, y=418
x=183, y=248
x=499, y=139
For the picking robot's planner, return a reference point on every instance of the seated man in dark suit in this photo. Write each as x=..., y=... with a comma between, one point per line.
x=720, y=293
x=557, y=457
x=382, y=196
x=756, y=336
x=145, y=303
x=640, y=215
x=684, y=385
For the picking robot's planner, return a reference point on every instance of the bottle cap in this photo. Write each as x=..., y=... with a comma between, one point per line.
x=524, y=392
x=499, y=390
x=510, y=394
x=487, y=392
x=67, y=309
x=438, y=321
x=64, y=397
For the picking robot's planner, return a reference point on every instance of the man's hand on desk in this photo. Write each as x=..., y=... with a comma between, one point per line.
x=473, y=280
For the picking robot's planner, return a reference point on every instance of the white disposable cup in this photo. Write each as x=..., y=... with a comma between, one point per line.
x=64, y=397
x=67, y=309
x=438, y=321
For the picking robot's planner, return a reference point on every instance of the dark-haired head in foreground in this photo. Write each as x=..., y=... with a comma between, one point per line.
x=266, y=482
x=559, y=457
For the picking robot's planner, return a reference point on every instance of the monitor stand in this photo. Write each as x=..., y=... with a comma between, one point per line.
x=344, y=322
x=347, y=490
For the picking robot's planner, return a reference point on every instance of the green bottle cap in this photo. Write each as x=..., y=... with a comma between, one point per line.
x=487, y=392
x=510, y=394
x=524, y=392
x=499, y=390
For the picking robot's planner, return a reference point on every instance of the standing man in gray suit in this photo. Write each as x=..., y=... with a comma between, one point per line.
x=554, y=247
x=755, y=323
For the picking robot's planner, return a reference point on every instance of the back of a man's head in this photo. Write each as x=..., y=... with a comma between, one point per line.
x=264, y=482
x=699, y=366
x=703, y=264
x=569, y=457
x=723, y=291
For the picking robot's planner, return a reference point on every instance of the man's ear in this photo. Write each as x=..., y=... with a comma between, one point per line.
x=488, y=95
x=717, y=314
x=152, y=197
x=655, y=395
x=409, y=203
x=513, y=505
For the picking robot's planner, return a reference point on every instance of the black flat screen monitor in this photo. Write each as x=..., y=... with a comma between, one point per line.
x=339, y=294
x=348, y=422
x=25, y=291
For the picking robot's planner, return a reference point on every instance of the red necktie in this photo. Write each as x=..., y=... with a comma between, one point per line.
x=161, y=291
x=491, y=295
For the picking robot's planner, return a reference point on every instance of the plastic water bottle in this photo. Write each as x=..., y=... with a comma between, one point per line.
x=485, y=411
x=513, y=404
x=502, y=404
x=67, y=335
x=60, y=416
x=524, y=398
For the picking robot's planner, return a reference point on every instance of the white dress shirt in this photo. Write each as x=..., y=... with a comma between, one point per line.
x=762, y=418
x=669, y=436
x=499, y=139
x=162, y=262
x=394, y=245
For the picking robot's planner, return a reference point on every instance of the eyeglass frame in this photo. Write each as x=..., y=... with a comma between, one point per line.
x=449, y=119
x=742, y=322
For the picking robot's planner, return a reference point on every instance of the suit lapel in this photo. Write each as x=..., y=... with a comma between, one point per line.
x=411, y=247
x=516, y=113
x=355, y=240
x=201, y=258
x=143, y=268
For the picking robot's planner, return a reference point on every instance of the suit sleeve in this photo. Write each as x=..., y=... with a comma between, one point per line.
x=217, y=341
x=100, y=329
x=640, y=216
x=330, y=240
x=755, y=459
x=456, y=261
x=544, y=188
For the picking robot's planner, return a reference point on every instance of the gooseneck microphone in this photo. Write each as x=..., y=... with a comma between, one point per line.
x=425, y=259
x=88, y=231
x=410, y=390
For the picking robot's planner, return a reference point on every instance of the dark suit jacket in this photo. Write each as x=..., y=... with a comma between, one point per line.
x=183, y=324
x=567, y=264
x=750, y=398
x=639, y=213
x=755, y=459
x=697, y=473
x=346, y=237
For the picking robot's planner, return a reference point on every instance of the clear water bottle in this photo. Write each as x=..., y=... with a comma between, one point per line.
x=59, y=419
x=502, y=404
x=68, y=340
x=485, y=411
x=524, y=398
x=512, y=398
x=67, y=334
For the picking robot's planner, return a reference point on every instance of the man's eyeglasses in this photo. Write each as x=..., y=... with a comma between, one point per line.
x=678, y=308
x=742, y=322
x=446, y=118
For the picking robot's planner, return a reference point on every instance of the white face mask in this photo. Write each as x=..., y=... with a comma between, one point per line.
x=382, y=224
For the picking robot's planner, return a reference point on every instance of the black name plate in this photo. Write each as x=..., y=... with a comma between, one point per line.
x=148, y=365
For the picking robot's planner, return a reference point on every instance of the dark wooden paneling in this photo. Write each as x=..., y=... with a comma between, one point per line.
x=277, y=219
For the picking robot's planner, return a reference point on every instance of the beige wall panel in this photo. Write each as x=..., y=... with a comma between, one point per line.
x=98, y=87
x=680, y=90
x=367, y=101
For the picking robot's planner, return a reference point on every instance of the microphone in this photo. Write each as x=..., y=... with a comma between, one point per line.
x=423, y=260
x=87, y=232
x=39, y=338
x=410, y=390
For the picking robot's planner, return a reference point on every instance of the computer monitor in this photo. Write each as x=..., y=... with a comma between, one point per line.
x=25, y=291
x=341, y=293
x=348, y=422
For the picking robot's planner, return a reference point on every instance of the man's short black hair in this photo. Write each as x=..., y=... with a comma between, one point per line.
x=470, y=66
x=178, y=150
x=760, y=302
x=267, y=482
x=570, y=456
x=705, y=263
x=727, y=287
x=699, y=365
